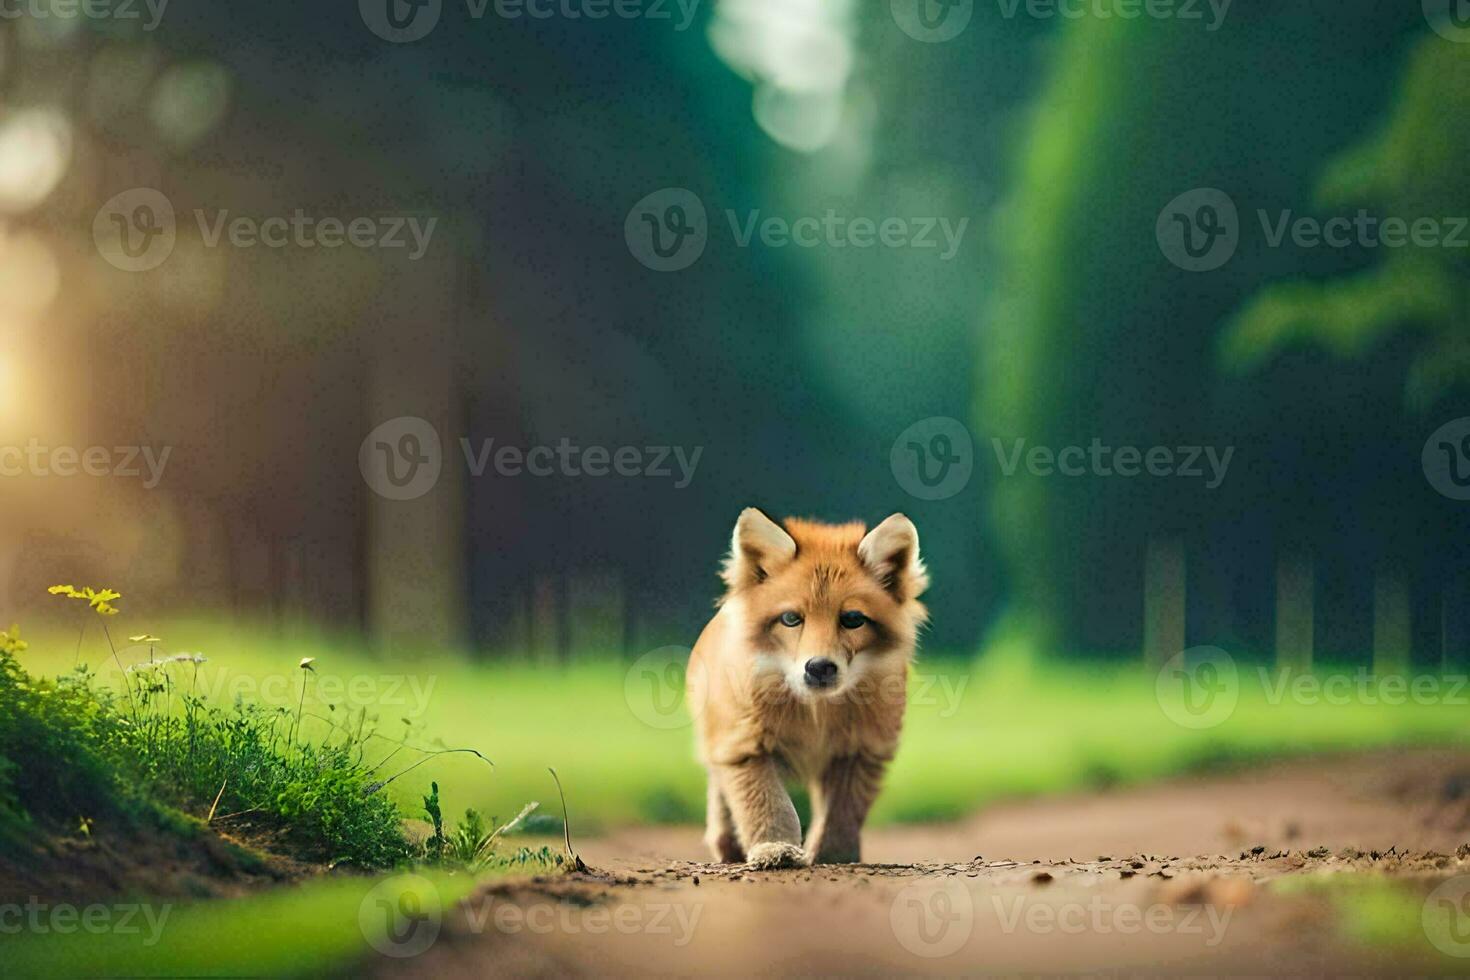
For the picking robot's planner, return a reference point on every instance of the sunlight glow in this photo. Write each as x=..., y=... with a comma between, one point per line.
x=799, y=54
x=30, y=276
x=35, y=150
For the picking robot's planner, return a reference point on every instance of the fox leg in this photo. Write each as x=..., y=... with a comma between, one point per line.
x=719, y=828
x=841, y=796
x=764, y=817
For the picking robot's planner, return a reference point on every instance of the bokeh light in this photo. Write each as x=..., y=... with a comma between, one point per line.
x=35, y=149
x=188, y=102
x=30, y=276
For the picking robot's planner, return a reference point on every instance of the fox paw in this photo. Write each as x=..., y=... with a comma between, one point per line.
x=768, y=857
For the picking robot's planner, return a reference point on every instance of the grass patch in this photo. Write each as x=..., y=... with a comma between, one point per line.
x=321, y=927
x=977, y=731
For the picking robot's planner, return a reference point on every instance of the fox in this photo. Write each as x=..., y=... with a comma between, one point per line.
x=801, y=675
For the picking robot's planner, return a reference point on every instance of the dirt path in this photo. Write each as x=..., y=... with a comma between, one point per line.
x=1182, y=877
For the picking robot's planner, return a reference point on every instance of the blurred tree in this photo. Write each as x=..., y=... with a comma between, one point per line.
x=1094, y=334
x=1412, y=169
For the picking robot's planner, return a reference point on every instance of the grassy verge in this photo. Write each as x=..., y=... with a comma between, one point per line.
x=1003, y=726
x=321, y=927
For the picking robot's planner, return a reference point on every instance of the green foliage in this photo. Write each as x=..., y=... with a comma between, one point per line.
x=473, y=845
x=1413, y=168
x=54, y=757
x=70, y=752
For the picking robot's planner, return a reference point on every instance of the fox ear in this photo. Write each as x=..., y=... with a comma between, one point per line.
x=758, y=548
x=891, y=552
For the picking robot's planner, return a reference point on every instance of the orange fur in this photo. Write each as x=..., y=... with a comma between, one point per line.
x=760, y=718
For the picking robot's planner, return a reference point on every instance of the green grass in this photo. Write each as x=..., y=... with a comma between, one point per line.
x=321, y=926
x=1005, y=726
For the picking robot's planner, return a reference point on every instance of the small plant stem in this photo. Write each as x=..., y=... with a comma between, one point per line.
x=117, y=660
x=80, y=633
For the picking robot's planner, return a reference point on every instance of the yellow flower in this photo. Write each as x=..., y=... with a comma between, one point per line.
x=10, y=641
x=100, y=600
x=306, y=664
x=145, y=638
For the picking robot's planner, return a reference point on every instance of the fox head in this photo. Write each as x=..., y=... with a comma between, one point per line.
x=826, y=607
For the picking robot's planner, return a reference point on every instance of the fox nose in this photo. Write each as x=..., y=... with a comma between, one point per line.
x=820, y=672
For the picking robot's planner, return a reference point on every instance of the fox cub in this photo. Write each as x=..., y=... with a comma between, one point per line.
x=801, y=675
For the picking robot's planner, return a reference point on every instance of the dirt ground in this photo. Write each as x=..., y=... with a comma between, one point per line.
x=1181, y=878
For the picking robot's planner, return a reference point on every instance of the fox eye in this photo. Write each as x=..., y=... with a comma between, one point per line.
x=789, y=618
x=852, y=619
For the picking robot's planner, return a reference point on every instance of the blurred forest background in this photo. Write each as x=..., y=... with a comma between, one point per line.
x=1059, y=320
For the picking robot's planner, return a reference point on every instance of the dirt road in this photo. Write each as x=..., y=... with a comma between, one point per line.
x=1206, y=875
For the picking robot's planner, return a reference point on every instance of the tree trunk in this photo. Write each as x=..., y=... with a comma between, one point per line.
x=1163, y=600
x=416, y=565
x=1295, y=587
x=1391, y=622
